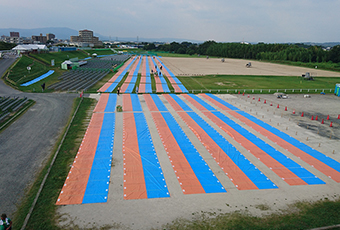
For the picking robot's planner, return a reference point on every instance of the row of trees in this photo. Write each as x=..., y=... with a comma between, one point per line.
x=261, y=51
x=6, y=46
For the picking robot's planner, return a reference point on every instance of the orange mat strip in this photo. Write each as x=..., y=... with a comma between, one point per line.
x=134, y=182
x=127, y=104
x=143, y=67
x=101, y=105
x=141, y=88
x=235, y=174
x=184, y=173
x=157, y=80
x=159, y=88
x=325, y=169
x=150, y=103
x=218, y=104
x=193, y=102
x=270, y=162
x=76, y=181
x=172, y=102
x=124, y=87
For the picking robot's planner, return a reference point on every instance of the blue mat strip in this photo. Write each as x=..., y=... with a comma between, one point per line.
x=154, y=179
x=314, y=153
x=297, y=169
x=181, y=103
x=135, y=73
x=111, y=103
x=184, y=90
x=120, y=77
x=98, y=183
x=203, y=103
x=158, y=102
x=166, y=88
x=136, y=106
x=38, y=78
x=201, y=169
x=148, y=88
x=147, y=68
x=252, y=172
x=222, y=102
x=112, y=87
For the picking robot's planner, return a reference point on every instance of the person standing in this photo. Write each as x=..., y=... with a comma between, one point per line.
x=118, y=91
x=5, y=223
x=136, y=89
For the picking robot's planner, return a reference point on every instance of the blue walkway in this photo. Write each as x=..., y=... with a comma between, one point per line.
x=252, y=172
x=201, y=169
x=153, y=174
x=98, y=183
x=160, y=105
x=136, y=106
x=111, y=103
x=314, y=153
x=38, y=78
x=181, y=103
x=297, y=169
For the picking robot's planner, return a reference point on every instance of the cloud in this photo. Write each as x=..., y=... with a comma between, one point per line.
x=220, y=20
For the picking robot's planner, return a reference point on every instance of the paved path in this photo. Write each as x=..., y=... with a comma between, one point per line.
x=28, y=142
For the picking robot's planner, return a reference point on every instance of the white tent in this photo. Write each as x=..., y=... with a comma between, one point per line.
x=30, y=47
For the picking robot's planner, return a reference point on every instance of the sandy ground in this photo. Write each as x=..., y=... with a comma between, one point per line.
x=153, y=213
x=203, y=66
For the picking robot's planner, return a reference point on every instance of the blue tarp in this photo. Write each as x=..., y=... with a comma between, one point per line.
x=111, y=103
x=98, y=183
x=136, y=106
x=223, y=102
x=147, y=73
x=38, y=78
x=165, y=88
x=158, y=102
x=201, y=169
x=297, y=169
x=120, y=77
x=112, y=87
x=181, y=103
x=148, y=88
x=252, y=172
x=203, y=103
x=154, y=179
x=314, y=153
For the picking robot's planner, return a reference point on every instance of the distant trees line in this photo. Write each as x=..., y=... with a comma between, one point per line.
x=6, y=46
x=283, y=52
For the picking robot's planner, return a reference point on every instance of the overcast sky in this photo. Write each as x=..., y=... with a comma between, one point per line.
x=269, y=21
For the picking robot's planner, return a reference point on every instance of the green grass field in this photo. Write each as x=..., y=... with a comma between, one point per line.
x=59, y=57
x=235, y=82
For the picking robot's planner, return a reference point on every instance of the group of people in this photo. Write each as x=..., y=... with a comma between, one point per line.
x=5, y=222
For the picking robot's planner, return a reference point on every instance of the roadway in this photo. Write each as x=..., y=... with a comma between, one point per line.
x=27, y=143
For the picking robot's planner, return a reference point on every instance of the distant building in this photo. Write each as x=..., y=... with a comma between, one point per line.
x=39, y=39
x=13, y=38
x=50, y=37
x=14, y=34
x=86, y=38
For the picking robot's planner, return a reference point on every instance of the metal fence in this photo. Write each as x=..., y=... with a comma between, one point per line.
x=261, y=91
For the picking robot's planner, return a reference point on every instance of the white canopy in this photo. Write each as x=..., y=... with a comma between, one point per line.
x=30, y=47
